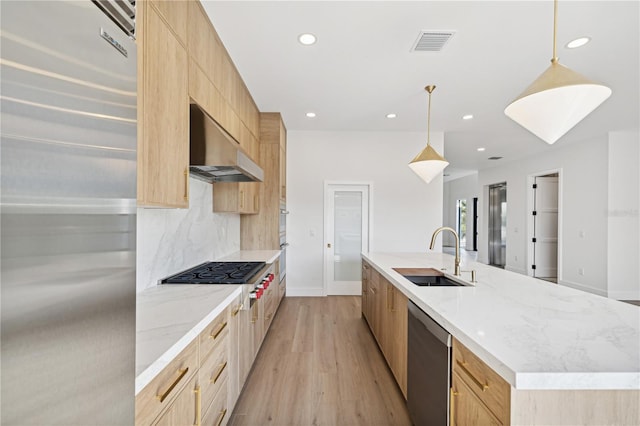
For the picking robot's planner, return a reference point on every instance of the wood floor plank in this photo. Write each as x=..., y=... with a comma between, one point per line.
x=320, y=365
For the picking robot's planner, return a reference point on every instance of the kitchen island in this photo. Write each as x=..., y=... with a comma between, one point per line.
x=558, y=348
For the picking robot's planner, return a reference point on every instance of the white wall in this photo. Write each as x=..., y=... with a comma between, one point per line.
x=623, y=216
x=172, y=240
x=464, y=188
x=583, y=199
x=405, y=209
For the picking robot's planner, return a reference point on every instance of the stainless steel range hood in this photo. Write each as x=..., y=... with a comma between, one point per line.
x=215, y=156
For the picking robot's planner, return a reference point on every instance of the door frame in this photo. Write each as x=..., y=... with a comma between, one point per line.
x=325, y=238
x=530, y=224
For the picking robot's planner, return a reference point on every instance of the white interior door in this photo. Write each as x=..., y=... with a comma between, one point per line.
x=346, y=237
x=545, y=237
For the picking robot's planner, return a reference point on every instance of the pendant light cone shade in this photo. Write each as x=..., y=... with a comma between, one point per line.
x=428, y=163
x=557, y=100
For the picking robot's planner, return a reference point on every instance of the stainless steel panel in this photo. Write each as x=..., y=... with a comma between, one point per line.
x=498, y=225
x=428, y=369
x=67, y=215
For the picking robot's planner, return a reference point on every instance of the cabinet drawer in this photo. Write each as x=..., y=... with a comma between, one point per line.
x=466, y=408
x=214, y=371
x=161, y=391
x=489, y=387
x=215, y=332
x=217, y=414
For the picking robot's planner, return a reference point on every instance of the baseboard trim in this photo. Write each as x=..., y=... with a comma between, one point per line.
x=583, y=287
x=516, y=270
x=624, y=295
x=305, y=292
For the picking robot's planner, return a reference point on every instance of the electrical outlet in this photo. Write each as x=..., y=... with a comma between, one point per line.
x=580, y=271
x=581, y=234
x=515, y=258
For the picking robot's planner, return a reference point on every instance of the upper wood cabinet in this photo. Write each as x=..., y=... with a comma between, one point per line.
x=181, y=60
x=236, y=197
x=163, y=107
x=262, y=231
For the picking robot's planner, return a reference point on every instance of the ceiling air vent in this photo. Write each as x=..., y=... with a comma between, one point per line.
x=431, y=41
x=494, y=158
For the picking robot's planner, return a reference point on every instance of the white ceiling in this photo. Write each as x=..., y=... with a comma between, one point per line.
x=361, y=67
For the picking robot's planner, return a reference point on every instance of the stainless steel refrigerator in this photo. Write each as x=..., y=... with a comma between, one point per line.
x=67, y=212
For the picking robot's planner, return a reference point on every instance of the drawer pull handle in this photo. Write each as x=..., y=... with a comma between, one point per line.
x=164, y=396
x=222, y=367
x=198, y=405
x=186, y=184
x=215, y=334
x=463, y=366
x=452, y=410
x=222, y=414
x=237, y=309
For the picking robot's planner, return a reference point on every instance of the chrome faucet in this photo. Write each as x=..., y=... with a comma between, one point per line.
x=455, y=234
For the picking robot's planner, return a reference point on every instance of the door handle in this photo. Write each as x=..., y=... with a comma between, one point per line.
x=328, y=245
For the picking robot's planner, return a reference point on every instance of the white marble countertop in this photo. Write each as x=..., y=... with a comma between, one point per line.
x=170, y=316
x=535, y=334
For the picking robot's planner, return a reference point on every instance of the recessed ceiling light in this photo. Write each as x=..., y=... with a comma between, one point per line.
x=581, y=41
x=307, y=39
x=392, y=115
x=467, y=117
x=481, y=149
x=311, y=114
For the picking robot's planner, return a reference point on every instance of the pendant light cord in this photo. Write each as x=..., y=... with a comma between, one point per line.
x=429, y=89
x=555, y=30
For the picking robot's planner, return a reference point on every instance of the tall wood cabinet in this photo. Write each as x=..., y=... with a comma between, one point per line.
x=262, y=231
x=163, y=105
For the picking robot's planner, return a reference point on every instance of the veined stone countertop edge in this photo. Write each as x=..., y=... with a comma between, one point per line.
x=534, y=334
x=170, y=316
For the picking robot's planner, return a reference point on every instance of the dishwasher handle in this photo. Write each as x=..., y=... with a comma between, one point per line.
x=432, y=327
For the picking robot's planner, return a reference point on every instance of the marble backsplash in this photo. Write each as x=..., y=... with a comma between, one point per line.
x=171, y=240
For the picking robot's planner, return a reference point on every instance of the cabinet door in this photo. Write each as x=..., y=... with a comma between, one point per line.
x=233, y=385
x=185, y=409
x=398, y=337
x=466, y=408
x=163, y=139
x=365, y=289
x=245, y=340
x=236, y=197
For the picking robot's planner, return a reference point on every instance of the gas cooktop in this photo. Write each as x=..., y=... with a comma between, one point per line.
x=217, y=273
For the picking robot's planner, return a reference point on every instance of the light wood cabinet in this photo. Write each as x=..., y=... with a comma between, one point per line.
x=385, y=309
x=160, y=393
x=481, y=392
x=466, y=408
x=233, y=383
x=236, y=197
x=185, y=409
x=262, y=231
x=163, y=109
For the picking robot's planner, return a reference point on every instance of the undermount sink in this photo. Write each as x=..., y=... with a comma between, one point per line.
x=428, y=277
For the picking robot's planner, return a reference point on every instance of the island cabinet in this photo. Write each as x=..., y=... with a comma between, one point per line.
x=163, y=105
x=478, y=394
x=385, y=309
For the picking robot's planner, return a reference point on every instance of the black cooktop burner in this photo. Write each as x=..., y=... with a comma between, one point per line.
x=217, y=273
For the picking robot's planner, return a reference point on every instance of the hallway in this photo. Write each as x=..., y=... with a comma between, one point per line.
x=320, y=365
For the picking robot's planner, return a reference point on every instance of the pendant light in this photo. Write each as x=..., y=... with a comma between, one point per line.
x=428, y=163
x=557, y=100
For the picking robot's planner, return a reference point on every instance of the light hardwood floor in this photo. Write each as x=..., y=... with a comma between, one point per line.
x=320, y=365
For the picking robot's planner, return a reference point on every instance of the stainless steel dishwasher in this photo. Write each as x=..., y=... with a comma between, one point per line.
x=428, y=369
